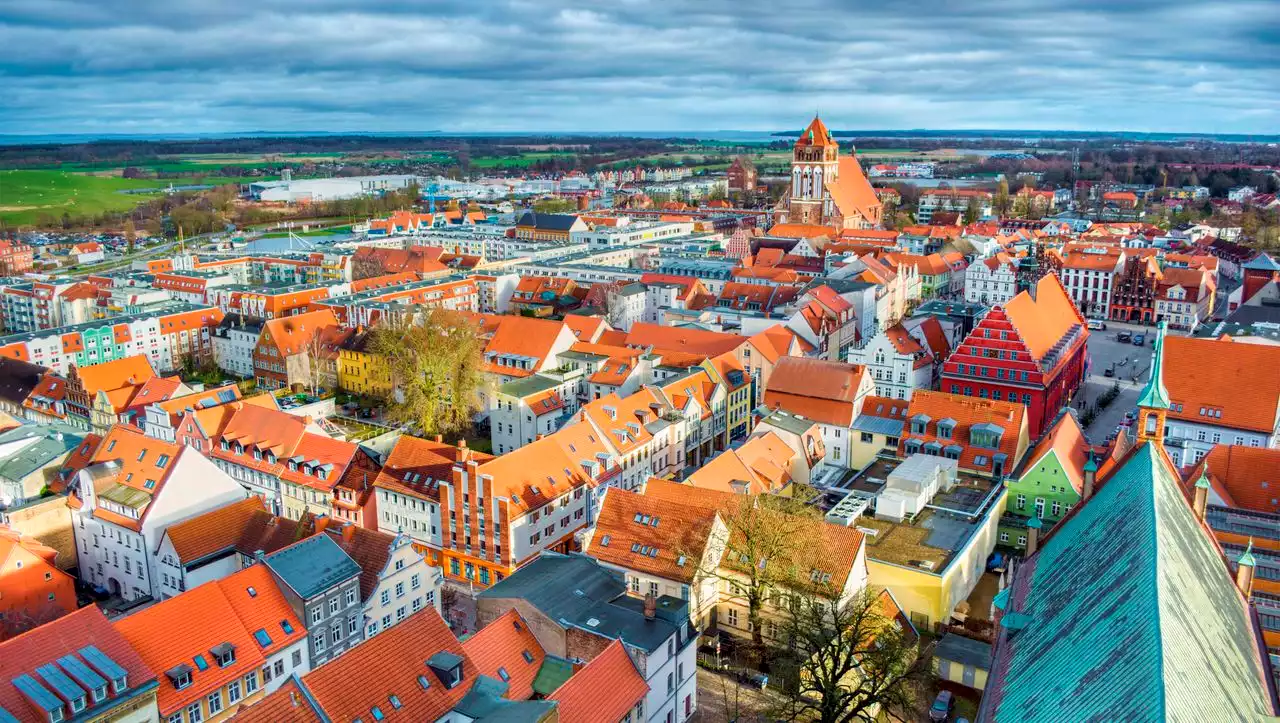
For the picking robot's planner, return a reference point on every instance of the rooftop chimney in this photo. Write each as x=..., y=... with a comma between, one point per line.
x=1201, y=499
x=439, y=439
x=1033, y=535
x=462, y=444
x=1244, y=570
x=1090, y=474
x=651, y=605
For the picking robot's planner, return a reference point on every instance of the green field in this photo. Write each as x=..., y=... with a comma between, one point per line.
x=331, y=231
x=522, y=160
x=26, y=195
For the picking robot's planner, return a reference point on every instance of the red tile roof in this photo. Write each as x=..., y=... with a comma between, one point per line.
x=1044, y=320
x=1244, y=477
x=390, y=664
x=1066, y=440
x=821, y=390
x=967, y=412
x=288, y=704
x=1206, y=377
x=606, y=689
x=65, y=636
x=416, y=466
x=658, y=537
x=501, y=646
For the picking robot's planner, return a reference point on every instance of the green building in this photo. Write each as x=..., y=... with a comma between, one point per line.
x=1049, y=484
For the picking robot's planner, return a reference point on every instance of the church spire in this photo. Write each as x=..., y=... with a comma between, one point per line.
x=1153, y=403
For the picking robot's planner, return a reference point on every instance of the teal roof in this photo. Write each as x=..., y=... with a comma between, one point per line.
x=1091, y=465
x=1154, y=395
x=555, y=672
x=1247, y=557
x=1131, y=616
x=313, y=566
x=1035, y=523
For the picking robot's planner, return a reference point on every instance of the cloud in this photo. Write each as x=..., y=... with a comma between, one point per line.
x=101, y=66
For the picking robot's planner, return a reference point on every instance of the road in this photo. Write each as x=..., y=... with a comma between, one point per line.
x=1132, y=364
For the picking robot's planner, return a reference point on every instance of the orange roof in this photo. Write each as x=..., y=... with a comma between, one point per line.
x=288, y=704
x=815, y=388
x=115, y=374
x=816, y=134
x=651, y=535
x=605, y=689
x=1066, y=441
x=388, y=664
x=524, y=336
x=801, y=230
x=1244, y=477
x=907, y=345
x=67, y=635
x=1044, y=320
x=876, y=406
x=291, y=334
x=207, y=618
x=199, y=400
x=416, y=466
x=682, y=339
x=760, y=466
x=500, y=647
x=935, y=336
x=1223, y=382
x=144, y=465
x=966, y=411
x=774, y=342
x=585, y=328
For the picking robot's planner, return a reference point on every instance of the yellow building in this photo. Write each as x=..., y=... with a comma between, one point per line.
x=360, y=372
x=932, y=561
x=727, y=370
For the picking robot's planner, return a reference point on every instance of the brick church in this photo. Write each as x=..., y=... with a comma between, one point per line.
x=827, y=189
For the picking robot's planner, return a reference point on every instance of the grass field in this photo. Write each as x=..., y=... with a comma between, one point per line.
x=523, y=160
x=331, y=231
x=27, y=195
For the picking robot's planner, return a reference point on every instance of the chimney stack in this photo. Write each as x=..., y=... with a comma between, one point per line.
x=1200, y=501
x=462, y=444
x=651, y=605
x=1090, y=475
x=1033, y=535
x=1244, y=570
x=439, y=439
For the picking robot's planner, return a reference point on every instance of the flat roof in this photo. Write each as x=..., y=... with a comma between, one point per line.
x=938, y=533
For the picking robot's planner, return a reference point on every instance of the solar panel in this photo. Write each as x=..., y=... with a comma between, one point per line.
x=59, y=681
x=85, y=675
x=102, y=663
x=36, y=693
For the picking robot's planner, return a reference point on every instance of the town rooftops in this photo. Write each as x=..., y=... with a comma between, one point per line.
x=416, y=466
x=605, y=689
x=592, y=601
x=47, y=668
x=822, y=390
x=548, y=221
x=1065, y=440
x=312, y=566
x=506, y=649
x=17, y=379
x=244, y=526
x=31, y=447
x=1044, y=320
x=1241, y=476
x=656, y=537
x=931, y=540
x=1205, y=378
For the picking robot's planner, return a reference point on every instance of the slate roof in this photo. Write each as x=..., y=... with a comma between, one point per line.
x=52, y=443
x=589, y=596
x=17, y=379
x=1153, y=630
x=313, y=565
x=548, y=221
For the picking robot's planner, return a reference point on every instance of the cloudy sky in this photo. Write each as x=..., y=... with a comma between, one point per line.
x=138, y=66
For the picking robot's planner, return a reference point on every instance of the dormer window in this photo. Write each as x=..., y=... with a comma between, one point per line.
x=179, y=676
x=100, y=694
x=226, y=446
x=79, y=704
x=118, y=685
x=257, y=453
x=224, y=654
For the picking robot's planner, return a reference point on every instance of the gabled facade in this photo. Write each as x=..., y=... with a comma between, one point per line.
x=897, y=362
x=132, y=489
x=1031, y=351
x=1049, y=483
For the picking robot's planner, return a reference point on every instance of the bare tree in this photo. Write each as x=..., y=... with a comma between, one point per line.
x=851, y=661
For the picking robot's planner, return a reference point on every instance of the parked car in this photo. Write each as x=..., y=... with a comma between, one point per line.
x=942, y=705
x=1123, y=336
x=1110, y=372
x=1097, y=325
x=753, y=678
x=1139, y=339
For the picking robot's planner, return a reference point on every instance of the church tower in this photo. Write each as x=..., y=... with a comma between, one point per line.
x=1153, y=403
x=814, y=163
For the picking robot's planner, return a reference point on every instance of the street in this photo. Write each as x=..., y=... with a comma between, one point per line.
x=1131, y=364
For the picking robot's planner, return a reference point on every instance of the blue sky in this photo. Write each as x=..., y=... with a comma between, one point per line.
x=122, y=66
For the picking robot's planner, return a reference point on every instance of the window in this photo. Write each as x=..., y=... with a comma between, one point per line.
x=215, y=702
x=415, y=582
x=318, y=641
x=400, y=613
x=1004, y=536
x=194, y=714
x=385, y=597
x=1057, y=508
x=333, y=604
x=233, y=691
x=1022, y=540
x=351, y=596
x=316, y=613
x=174, y=718
x=1022, y=502
x=251, y=682
x=400, y=589
x=733, y=617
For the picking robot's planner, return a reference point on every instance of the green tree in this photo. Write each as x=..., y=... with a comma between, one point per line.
x=555, y=205
x=849, y=661
x=973, y=211
x=434, y=358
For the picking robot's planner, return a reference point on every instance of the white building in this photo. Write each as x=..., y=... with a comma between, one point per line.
x=1089, y=278
x=233, y=343
x=405, y=584
x=495, y=291
x=129, y=494
x=897, y=362
x=952, y=200
x=632, y=234
x=992, y=281
x=318, y=190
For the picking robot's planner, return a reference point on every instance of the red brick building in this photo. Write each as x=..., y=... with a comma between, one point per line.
x=742, y=175
x=15, y=258
x=1134, y=297
x=1032, y=350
